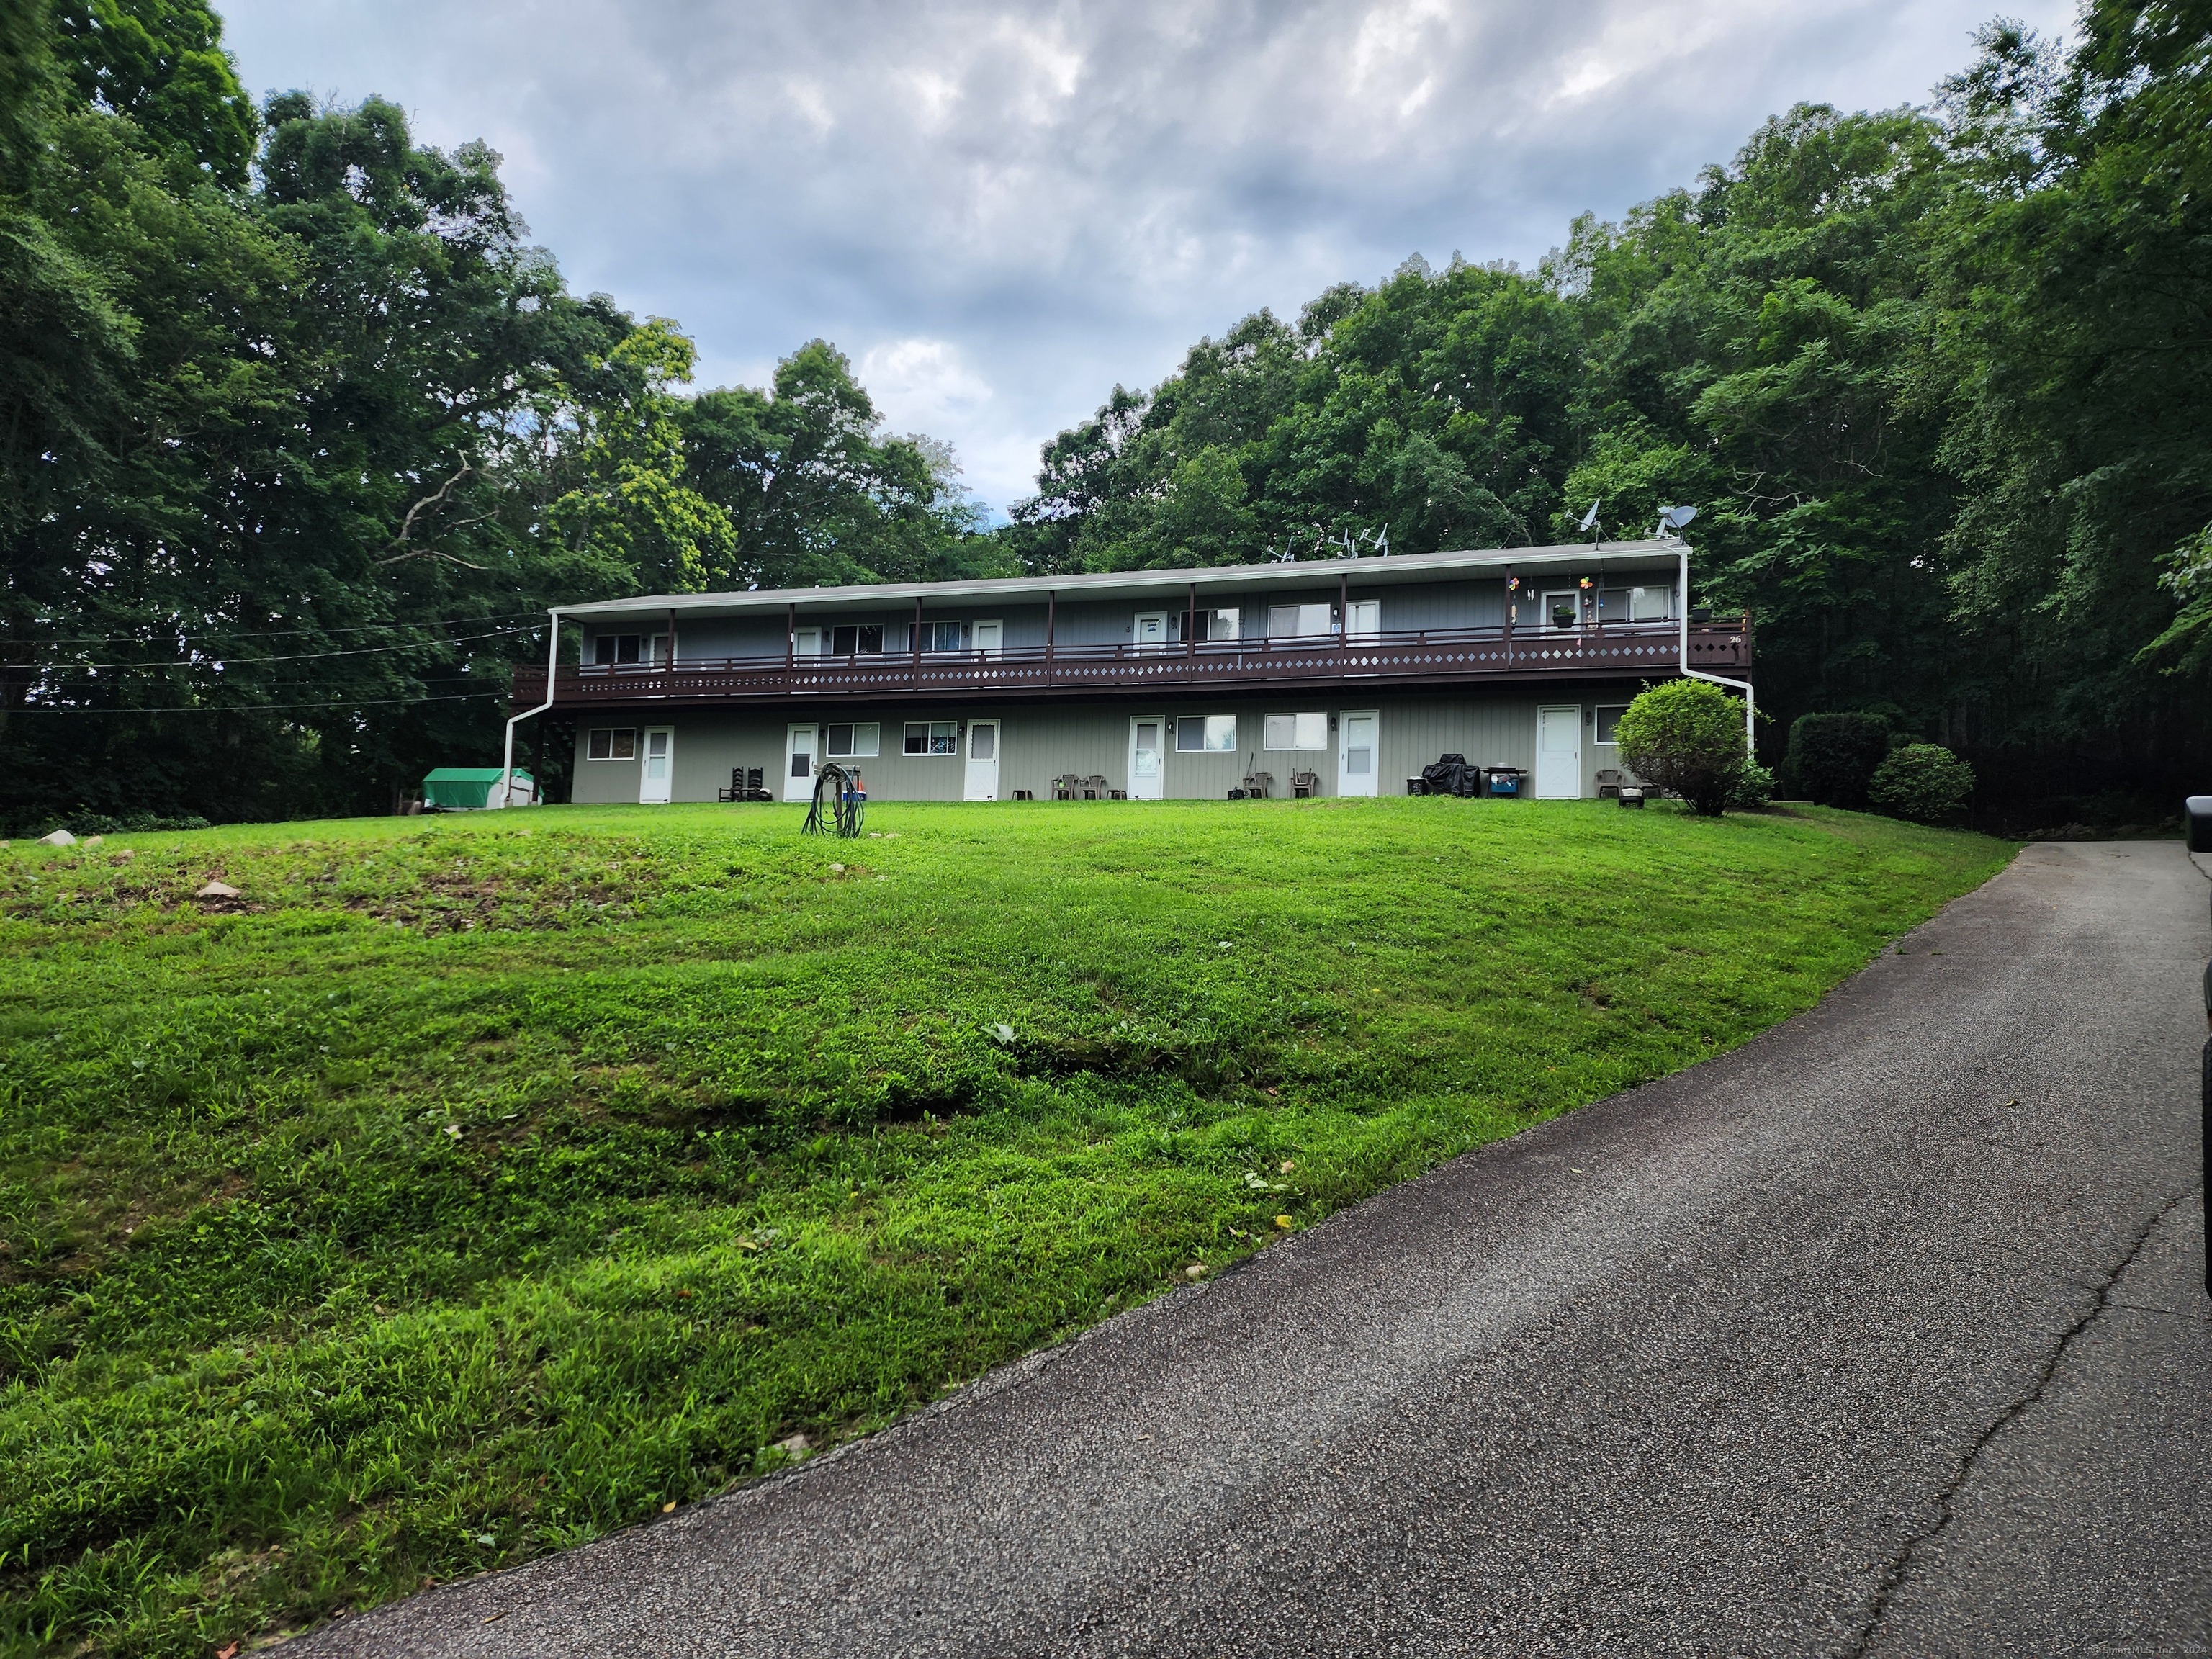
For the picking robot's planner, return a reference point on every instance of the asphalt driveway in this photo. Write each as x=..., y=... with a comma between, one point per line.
x=1886, y=1334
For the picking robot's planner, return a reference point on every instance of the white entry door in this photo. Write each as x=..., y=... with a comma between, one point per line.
x=1356, y=746
x=1558, y=754
x=1144, y=769
x=1152, y=629
x=806, y=641
x=990, y=637
x=658, y=772
x=798, y=764
x=1362, y=621
x=983, y=760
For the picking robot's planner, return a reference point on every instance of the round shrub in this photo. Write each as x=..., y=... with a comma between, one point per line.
x=1685, y=736
x=1923, y=781
x=1753, y=788
x=1832, y=757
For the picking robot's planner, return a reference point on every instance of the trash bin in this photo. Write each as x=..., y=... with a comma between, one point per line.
x=2197, y=813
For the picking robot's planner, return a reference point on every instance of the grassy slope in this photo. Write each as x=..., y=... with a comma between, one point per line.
x=483, y=1184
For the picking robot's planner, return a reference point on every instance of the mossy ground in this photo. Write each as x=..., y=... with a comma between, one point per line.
x=469, y=1186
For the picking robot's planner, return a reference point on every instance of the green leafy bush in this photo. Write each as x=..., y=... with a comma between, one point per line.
x=1832, y=757
x=1923, y=781
x=1687, y=736
x=1754, y=788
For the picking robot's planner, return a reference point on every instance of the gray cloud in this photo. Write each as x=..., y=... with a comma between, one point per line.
x=1002, y=210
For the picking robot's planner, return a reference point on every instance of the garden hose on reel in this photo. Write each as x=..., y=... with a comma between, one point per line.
x=849, y=801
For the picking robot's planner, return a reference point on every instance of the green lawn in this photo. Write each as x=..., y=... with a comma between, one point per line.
x=470, y=1187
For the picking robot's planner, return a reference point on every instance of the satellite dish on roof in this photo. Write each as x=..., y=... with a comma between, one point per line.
x=1590, y=518
x=1672, y=519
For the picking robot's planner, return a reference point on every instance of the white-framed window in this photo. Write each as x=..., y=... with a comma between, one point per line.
x=1297, y=730
x=1650, y=604
x=1300, y=621
x=623, y=650
x=1609, y=722
x=1223, y=622
x=943, y=636
x=857, y=640
x=611, y=743
x=1206, y=734
x=860, y=740
x=933, y=737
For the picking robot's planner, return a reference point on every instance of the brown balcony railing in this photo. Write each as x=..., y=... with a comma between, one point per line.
x=1435, y=657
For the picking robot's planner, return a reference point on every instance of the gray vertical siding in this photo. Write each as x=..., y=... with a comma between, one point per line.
x=1038, y=743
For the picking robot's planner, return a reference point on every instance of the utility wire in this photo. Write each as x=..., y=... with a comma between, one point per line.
x=260, y=708
x=301, y=656
x=286, y=633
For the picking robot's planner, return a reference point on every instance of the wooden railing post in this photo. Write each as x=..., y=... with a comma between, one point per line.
x=916, y=641
x=1051, y=604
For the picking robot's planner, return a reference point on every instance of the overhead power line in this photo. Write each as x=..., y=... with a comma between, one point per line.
x=301, y=656
x=287, y=633
x=262, y=708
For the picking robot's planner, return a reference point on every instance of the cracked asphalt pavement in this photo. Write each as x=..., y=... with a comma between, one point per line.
x=1885, y=1334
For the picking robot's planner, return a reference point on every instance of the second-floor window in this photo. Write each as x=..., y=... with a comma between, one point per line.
x=943, y=636
x=1284, y=621
x=617, y=650
x=857, y=640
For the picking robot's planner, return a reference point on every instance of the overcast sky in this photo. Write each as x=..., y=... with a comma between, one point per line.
x=999, y=210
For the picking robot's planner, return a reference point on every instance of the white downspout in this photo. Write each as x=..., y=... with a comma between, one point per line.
x=552, y=666
x=1750, y=708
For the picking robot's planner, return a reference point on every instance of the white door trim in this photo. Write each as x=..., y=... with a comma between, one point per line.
x=657, y=791
x=1349, y=783
x=800, y=787
x=1560, y=771
x=980, y=775
x=1148, y=785
x=989, y=636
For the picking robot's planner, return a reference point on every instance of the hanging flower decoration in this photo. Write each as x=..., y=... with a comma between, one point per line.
x=1586, y=582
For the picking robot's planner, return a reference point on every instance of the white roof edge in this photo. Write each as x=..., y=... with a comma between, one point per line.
x=1394, y=567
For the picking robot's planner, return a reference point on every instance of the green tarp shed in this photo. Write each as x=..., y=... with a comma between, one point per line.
x=463, y=788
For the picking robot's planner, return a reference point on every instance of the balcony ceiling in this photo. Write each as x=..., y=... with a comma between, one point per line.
x=1165, y=587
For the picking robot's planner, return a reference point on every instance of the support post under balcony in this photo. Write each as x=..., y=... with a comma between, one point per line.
x=1051, y=603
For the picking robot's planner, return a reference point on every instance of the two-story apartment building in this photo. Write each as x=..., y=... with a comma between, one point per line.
x=1167, y=684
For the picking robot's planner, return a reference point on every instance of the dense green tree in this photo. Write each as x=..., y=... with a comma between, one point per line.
x=814, y=491
x=290, y=461
x=1936, y=378
x=2077, y=351
x=161, y=63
